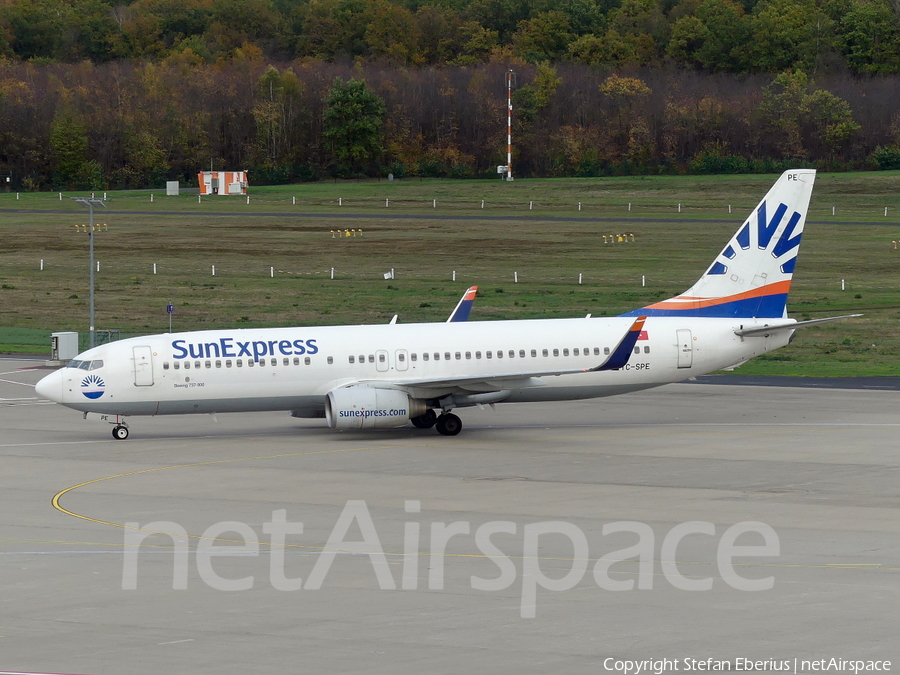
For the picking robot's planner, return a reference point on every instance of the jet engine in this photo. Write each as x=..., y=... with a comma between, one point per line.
x=360, y=406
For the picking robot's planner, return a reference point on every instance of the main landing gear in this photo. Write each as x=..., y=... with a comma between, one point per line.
x=447, y=424
x=425, y=421
x=120, y=432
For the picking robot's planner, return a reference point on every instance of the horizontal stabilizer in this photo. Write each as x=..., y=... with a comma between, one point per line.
x=774, y=328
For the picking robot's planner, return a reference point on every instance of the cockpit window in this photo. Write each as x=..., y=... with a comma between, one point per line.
x=85, y=365
x=73, y=364
x=96, y=364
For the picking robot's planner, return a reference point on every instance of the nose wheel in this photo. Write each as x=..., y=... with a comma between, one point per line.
x=119, y=432
x=448, y=424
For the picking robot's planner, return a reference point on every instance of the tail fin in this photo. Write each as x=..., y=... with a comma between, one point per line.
x=751, y=277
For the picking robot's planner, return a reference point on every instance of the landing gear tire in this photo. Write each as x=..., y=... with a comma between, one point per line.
x=120, y=433
x=425, y=421
x=449, y=424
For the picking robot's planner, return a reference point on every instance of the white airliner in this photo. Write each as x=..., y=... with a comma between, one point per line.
x=369, y=377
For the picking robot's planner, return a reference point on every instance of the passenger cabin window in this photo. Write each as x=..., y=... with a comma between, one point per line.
x=196, y=364
x=187, y=365
x=218, y=364
x=606, y=351
x=512, y=354
x=228, y=363
x=401, y=357
x=330, y=360
x=239, y=363
x=165, y=365
x=555, y=352
x=274, y=362
x=381, y=358
x=575, y=352
x=413, y=357
x=596, y=351
x=447, y=356
x=587, y=351
x=352, y=359
x=534, y=353
x=458, y=356
x=468, y=355
x=371, y=358
x=362, y=358
x=249, y=363
x=477, y=355
x=490, y=355
x=307, y=361
x=521, y=353
x=646, y=350
x=296, y=360
x=637, y=350
x=176, y=365
x=425, y=356
x=544, y=352
x=287, y=362
x=499, y=353
x=566, y=351
x=208, y=364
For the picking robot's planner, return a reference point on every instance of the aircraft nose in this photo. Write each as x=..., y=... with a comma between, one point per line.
x=50, y=387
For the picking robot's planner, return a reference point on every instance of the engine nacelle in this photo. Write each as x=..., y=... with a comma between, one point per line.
x=360, y=406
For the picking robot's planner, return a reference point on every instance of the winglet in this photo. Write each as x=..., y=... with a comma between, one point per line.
x=622, y=352
x=464, y=306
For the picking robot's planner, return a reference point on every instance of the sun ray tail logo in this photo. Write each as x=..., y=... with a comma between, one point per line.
x=93, y=386
x=786, y=242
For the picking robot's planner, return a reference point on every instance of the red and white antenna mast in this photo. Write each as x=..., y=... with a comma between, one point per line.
x=509, y=79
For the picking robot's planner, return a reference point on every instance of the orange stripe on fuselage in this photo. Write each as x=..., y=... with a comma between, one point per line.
x=687, y=302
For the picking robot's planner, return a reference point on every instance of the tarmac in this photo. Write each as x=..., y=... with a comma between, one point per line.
x=512, y=517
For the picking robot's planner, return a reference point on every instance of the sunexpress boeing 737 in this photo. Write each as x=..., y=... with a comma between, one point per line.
x=370, y=377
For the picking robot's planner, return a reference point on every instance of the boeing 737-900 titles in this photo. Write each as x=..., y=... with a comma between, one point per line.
x=381, y=376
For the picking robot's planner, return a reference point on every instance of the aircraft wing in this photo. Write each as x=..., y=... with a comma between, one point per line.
x=464, y=306
x=617, y=359
x=776, y=327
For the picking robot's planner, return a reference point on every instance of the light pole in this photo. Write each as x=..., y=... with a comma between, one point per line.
x=89, y=202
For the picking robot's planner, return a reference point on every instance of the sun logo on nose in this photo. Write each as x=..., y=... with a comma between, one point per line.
x=92, y=386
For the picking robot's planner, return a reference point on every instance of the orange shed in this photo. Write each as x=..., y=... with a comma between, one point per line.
x=223, y=182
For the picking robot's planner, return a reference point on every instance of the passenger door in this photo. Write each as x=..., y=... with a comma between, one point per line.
x=143, y=366
x=685, y=348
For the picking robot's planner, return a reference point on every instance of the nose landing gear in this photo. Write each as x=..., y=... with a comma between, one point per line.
x=120, y=432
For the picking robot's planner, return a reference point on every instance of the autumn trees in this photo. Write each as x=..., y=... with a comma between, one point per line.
x=137, y=124
x=734, y=36
x=127, y=93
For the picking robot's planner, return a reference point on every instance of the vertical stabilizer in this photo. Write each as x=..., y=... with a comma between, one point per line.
x=752, y=275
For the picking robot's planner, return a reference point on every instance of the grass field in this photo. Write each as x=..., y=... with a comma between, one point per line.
x=519, y=231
